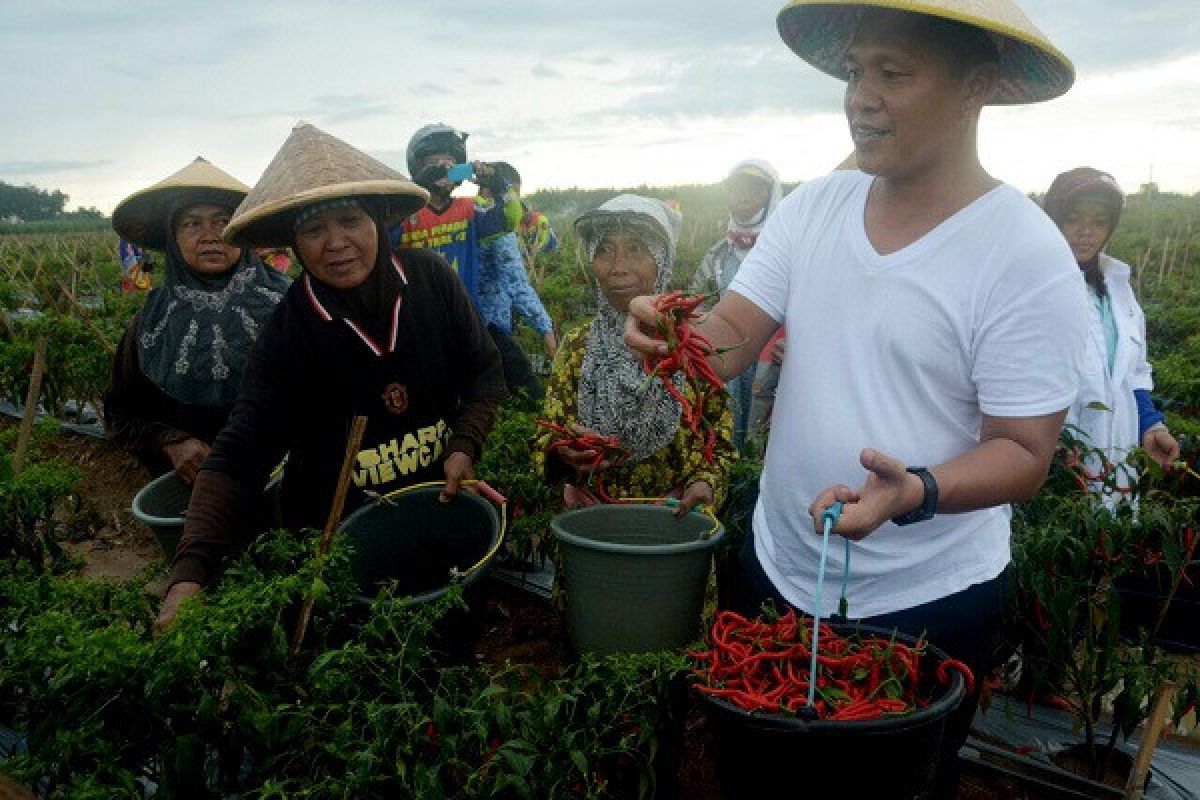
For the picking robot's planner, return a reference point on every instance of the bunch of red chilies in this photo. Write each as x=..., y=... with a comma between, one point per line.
x=765, y=666
x=1079, y=471
x=608, y=451
x=687, y=350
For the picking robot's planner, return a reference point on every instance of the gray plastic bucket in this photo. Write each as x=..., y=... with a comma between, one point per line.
x=635, y=576
x=161, y=505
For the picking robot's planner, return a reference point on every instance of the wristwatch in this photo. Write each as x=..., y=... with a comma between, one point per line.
x=928, y=503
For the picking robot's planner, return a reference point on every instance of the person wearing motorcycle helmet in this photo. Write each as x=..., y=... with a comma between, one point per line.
x=452, y=226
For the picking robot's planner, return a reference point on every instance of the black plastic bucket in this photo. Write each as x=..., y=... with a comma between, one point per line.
x=897, y=757
x=421, y=543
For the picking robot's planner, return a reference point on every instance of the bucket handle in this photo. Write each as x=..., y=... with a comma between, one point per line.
x=672, y=502
x=484, y=490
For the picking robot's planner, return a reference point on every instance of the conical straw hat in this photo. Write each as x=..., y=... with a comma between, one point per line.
x=313, y=167
x=141, y=218
x=1031, y=68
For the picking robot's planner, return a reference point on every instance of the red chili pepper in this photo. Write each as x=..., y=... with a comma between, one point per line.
x=951, y=663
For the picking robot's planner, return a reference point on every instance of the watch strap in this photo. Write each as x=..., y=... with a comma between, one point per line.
x=929, y=502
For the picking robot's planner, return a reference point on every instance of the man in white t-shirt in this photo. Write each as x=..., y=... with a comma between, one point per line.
x=936, y=327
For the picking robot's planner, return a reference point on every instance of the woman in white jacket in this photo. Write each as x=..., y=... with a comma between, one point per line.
x=1114, y=410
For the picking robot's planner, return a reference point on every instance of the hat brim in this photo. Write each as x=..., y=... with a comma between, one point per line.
x=143, y=217
x=1031, y=68
x=273, y=224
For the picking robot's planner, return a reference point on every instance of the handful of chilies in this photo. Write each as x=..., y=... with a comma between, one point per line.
x=687, y=351
x=608, y=451
x=765, y=666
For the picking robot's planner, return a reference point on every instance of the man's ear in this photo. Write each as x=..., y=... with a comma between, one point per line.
x=980, y=86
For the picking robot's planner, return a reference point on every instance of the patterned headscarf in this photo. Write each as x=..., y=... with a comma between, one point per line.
x=610, y=392
x=195, y=331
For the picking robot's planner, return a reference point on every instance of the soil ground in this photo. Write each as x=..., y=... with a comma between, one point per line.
x=98, y=527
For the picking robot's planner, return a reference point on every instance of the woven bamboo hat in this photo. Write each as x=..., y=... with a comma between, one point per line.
x=1031, y=68
x=312, y=167
x=142, y=218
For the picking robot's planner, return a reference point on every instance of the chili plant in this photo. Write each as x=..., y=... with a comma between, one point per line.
x=1071, y=551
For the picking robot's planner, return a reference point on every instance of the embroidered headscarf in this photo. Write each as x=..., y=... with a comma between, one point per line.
x=195, y=331
x=742, y=236
x=614, y=396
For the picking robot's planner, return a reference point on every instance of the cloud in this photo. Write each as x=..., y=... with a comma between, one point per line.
x=1186, y=123
x=428, y=89
x=47, y=167
x=542, y=70
x=1103, y=35
x=728, y=83
x=346, y=107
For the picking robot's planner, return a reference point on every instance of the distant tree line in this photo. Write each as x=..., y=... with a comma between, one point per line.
x=31, y=204
x=28, y=209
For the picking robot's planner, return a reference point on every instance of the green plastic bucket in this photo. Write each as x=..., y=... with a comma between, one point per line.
x=635, y=576
x=161, y=505
x=413, y=538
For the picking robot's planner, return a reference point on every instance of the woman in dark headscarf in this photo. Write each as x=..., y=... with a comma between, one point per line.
x=599, y=386
x=179, y=365
x=366, y=331
x=1113, y=409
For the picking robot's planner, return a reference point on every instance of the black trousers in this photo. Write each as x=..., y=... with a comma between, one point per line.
x=968, y=625
x=518, y=372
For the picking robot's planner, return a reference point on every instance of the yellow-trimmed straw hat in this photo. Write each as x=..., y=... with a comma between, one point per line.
x=1031, y=68
x=312, y=167
x=141, y=218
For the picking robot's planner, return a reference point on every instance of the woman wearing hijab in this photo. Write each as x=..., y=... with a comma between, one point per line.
x=1113, y=410
x=179, y=364
x=365, y=331
x=599, y=386
x=752, y=192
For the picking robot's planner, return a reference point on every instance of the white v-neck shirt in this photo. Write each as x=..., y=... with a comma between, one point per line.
x=985, y=314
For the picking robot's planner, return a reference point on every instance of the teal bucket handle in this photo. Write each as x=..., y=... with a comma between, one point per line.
x=829, y=517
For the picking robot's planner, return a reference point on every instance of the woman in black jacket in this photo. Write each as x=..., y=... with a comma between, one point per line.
x=366, y=331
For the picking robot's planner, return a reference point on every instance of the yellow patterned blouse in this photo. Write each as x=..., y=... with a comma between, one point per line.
x=676, y=465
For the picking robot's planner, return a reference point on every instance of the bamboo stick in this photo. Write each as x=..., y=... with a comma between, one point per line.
x=335, y=516
x=1163, y=698
x=1162, y=261
x=31, y=400
x=83, y=315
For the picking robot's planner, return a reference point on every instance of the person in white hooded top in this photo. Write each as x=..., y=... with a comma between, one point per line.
x=1113, y=411
x=753, y=192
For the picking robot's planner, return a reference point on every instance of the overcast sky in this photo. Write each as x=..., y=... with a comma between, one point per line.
x=101, y=99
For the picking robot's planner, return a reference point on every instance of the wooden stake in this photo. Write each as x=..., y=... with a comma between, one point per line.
x=335, y=516
x=1162, y=262
x=1163, y=698
x=31, y=401
x=83, y=315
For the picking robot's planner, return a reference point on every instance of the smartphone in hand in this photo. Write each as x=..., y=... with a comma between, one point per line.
x=460, y=172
